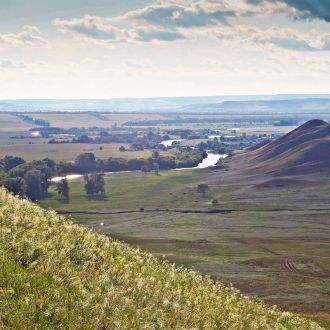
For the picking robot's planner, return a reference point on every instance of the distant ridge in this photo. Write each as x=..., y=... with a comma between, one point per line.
x=256, y=104
x=304, y=150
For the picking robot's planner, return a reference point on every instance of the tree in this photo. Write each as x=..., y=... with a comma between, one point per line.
x=155, y=154
x=10, y=162
x=15, y=185
x=94, y=185
x=122, y=148
x=166, y=137
x=84, y=139
x=33, y=185
x=202, y=188
x=215, y=202
x=86, y=163
x=62, y=188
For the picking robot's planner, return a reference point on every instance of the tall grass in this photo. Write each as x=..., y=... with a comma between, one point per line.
x=54, y=274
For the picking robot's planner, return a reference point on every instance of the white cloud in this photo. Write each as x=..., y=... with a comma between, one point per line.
x=102, y=29
x=170, y=15
x=11, y=64
x=29, y=36
x=169, y=21
x=93, y=27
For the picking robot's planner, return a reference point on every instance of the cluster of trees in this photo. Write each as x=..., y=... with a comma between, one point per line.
x=34, y=178
x=215, y=145
x=149, y=140
x=189, y=134
x=46, y=132
x=94, y=186
x=106, y=137
x=28, y=179
x=87, y=163
x=35, y=121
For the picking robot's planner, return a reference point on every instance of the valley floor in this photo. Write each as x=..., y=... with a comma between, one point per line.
x=269, y=241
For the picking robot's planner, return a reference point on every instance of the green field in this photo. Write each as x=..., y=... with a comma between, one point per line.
x=54, y=274
x=269, y=245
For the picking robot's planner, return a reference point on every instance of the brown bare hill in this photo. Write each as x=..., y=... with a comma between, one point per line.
x=304, y=150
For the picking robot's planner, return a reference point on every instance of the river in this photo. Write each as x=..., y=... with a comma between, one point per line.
x=168, y=143
x=210, y=160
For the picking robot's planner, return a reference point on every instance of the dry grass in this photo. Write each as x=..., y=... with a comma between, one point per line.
x=57, y=275
x=69, y=151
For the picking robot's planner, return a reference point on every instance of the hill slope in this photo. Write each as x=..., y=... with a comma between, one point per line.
x=54, y=274
x=304, y=150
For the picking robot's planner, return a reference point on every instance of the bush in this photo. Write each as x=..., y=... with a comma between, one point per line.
x=145, y=168
x=215, y=202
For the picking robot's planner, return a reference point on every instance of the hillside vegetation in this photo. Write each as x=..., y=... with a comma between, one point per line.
x=54, y=274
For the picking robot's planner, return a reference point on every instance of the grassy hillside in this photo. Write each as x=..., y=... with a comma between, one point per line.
x=54, y=274
x=303, y=150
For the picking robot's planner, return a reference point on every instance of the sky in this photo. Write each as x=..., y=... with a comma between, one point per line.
x=144, y=48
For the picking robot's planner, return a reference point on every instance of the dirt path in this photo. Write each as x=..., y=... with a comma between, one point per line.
x=207, y=211
x=289, y=265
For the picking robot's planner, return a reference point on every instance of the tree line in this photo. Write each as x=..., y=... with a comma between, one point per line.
x=32, y=179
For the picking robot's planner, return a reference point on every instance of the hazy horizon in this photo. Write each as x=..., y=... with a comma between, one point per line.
x=268, y=95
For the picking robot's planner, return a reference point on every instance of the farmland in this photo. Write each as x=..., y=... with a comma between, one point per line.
x=269, y=242
x=35, y=149
x=11, y=123
x=16, y=139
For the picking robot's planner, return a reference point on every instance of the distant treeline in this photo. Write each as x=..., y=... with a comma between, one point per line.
x=148, y=140
x=287, y=122
x=35, y=121
x=179, y=121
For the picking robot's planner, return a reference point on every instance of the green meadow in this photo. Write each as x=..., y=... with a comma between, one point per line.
x=263, y=243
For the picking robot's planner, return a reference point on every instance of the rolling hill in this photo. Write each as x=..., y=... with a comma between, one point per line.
x=55, y=274
x=304, y=150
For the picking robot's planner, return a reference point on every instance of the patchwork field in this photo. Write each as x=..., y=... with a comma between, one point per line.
x=36, y=149
x=69, y=120
x=11, y=123
x=83, y=119
x=121, y=118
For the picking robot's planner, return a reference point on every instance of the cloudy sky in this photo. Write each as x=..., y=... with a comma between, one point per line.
x=145, y=48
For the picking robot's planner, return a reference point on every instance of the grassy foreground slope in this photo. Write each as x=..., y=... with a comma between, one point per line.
x=54, y=274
